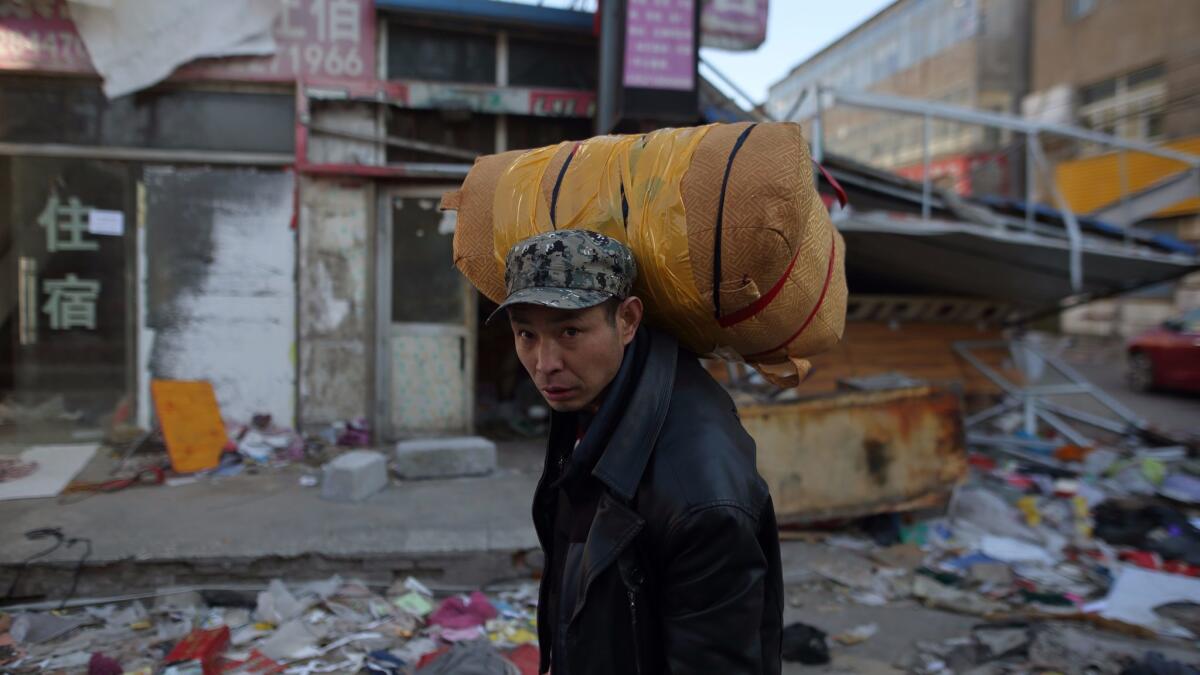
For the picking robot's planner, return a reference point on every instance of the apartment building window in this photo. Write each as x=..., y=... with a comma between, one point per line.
x=425, y=53
x=1129, y=106
x=1077, y=9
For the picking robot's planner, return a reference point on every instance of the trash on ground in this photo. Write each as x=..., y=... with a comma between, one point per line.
x=332, y=625
x=805, y=644
x=857, y=635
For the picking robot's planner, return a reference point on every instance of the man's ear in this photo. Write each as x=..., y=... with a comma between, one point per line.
x=629, y=317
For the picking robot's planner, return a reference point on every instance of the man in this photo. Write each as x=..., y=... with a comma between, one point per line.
x=661, y=549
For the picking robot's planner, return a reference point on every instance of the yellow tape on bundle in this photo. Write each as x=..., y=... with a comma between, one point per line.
x=519, y=212
x=651, y=169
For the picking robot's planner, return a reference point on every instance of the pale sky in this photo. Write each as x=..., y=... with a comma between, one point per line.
x=796, y=29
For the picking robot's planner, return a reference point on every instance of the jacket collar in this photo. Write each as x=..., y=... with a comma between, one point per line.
x=624, y=460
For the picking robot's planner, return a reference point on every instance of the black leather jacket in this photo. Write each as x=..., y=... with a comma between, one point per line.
x=680, y=572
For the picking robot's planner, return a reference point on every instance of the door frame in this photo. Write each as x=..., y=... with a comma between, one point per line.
x=382, y=408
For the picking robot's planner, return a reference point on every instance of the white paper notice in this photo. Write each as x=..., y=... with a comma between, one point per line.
x=108, y=223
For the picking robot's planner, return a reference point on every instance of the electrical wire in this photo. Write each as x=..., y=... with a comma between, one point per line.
x=60, y=541
x=34, y=535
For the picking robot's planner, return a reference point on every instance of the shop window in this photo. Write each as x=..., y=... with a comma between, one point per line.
x=421, y=245
x=541, y=63
x=1077, y=9
x=1097, y=92
x=422, y=53
x=533, y=132
x=453, y=128
x=1130, y=106
x=1149, y=75
x=65, y=310
x=35, y=110
x=1155, y=124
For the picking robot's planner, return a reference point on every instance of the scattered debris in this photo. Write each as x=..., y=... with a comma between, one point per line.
x=1137, y=592
x=857, y=635
x=1073, y=651
x=805, y=644
x=326, y=626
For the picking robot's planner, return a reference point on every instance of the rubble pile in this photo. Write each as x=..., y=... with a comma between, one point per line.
x=1102, y=550
x=331, y=626
x=253, y=446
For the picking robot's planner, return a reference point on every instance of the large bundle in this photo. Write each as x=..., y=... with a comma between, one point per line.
x=736, y=254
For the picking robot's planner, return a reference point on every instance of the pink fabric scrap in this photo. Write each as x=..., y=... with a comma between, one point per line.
x=458, y=612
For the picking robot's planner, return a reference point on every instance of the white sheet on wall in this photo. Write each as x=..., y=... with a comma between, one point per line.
x=137, y=43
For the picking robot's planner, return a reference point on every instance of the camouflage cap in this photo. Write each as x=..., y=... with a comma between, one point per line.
x=567, y=269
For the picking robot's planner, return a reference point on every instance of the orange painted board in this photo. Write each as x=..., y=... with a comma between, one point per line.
x=191, y=423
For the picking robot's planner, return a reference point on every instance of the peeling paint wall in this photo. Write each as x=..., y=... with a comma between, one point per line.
x=354, y=118
x=220, y=293
x=335, y=317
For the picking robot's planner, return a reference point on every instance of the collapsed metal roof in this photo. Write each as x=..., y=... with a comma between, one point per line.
x=985, y=248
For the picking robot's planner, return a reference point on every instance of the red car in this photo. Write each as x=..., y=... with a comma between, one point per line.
x=1167, y=357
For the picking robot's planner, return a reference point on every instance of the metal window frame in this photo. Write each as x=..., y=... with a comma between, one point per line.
x=818, y=99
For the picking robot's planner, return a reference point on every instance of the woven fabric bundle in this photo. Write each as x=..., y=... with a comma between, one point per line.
x=736, y=253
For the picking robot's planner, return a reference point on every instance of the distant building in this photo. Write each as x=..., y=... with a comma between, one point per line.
x=965, y=52
x=1130, y=69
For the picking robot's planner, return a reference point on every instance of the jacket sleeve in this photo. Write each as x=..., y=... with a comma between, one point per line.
x=713, y=593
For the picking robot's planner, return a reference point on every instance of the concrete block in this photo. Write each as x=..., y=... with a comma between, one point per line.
x=445, y=457
x=354, y=476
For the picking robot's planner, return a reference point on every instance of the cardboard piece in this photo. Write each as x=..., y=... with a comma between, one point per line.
x=191, y=423
x=56, y=466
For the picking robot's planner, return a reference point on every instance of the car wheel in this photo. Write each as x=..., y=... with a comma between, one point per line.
x=1141, y=372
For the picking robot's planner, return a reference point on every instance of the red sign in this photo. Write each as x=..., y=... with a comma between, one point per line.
x=962, y=173
x=329, y=39
x=39, y=35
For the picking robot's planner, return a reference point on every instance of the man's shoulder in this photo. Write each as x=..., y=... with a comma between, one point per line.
x=703, y=456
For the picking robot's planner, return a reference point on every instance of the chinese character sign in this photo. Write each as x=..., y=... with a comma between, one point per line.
x=39, y=35
x=69, y=302
x=65, y=226
x=73, y=299
x=660, y=50
x=321, y=39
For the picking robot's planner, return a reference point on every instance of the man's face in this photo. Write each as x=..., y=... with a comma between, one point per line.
x=573, y=355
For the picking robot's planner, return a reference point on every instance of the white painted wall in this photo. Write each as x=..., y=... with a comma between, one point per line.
x=236, y=327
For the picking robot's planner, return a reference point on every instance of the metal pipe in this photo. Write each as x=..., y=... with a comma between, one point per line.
x=394, y=141
x=1030, y=182
x=1062, y=427
x=1074, y=234
x=994, y=411
x=1100, y=395
x=121, y=153
x=964, y=350
x=791, y=114
x=927, y=179
x=608, y=94
x=1014, y=446
x=753, y=110
x=901, y=104
x=1058, y=389
x=1087, y=418
x=818, y=132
